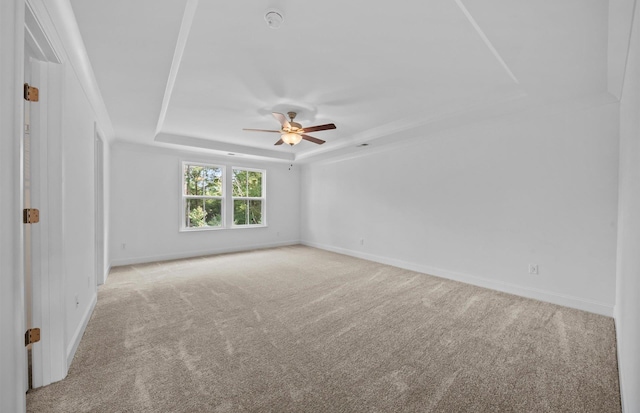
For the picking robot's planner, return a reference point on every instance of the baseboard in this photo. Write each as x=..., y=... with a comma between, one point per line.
x=617, y=323
x=547, y=296
x=198, y=253
x=77, y=336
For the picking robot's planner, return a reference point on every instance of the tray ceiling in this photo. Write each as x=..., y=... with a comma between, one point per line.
x=194, y=73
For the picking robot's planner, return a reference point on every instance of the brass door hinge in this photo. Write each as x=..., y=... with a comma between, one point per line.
x=30, y=216
x=31, y=336
x=30, y=93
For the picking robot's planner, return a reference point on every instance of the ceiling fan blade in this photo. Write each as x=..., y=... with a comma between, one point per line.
x=280, y=142
x=312, y=139
x=319, y=128
x=282, y=119
x=262, y=130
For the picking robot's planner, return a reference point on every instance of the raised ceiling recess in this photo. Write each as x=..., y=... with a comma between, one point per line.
x=195, y=73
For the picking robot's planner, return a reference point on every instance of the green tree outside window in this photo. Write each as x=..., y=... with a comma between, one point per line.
x=202, y=193
x=248, y=197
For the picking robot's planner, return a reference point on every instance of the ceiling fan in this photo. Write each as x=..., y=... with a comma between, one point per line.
x=293, y=132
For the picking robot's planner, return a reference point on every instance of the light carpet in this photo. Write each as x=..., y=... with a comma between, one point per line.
x=297, y=329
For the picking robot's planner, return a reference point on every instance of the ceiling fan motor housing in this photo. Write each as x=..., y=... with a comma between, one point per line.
x=295, y=126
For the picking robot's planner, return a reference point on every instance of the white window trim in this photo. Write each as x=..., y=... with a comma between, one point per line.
x=183, y=197
x=263, y=198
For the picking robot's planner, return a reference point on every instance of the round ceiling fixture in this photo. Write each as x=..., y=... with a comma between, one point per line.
x=274, y=18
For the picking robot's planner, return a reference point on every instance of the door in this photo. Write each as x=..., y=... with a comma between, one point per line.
x=41, y=187
x=27, y=233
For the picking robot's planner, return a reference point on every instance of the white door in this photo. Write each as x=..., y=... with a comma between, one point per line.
x=27, y=233
x=41, y=177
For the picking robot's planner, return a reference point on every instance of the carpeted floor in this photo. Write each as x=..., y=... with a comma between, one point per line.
x=297, y=329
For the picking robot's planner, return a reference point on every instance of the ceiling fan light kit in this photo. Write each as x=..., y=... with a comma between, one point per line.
x=291, y=138
x=292, y=133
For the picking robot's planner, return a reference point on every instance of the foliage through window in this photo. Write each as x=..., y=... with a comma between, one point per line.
x=202, y=196
x=248, y=197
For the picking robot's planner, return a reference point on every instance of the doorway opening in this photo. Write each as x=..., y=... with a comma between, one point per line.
x=99, y=197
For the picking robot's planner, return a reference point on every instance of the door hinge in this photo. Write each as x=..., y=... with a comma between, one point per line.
x=30, y=216
x=31, y=336
x=30, y=93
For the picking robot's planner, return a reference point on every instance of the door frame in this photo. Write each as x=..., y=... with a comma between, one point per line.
x=99, y=206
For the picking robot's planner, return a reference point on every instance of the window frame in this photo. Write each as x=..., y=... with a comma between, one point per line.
x=184, y=197
x=262, y=199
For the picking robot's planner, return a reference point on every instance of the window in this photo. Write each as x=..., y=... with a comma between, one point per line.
x=202, y=196
x=248, y=197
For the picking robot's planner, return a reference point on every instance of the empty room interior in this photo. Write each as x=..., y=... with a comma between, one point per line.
x=279, y=206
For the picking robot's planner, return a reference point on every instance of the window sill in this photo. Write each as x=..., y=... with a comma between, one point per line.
x=200, y=229
x=248, y=226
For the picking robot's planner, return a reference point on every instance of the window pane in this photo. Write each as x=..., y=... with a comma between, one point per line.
x=192, y=175
x=255, y=212
x=240, y=212
x=255, y=183
x=202, y=180
x=203, y=213
x=213, y=208
x=194, y=213
x=212, y=182
x=239, y=182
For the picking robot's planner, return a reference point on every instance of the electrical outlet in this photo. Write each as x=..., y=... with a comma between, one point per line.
x=533, y=268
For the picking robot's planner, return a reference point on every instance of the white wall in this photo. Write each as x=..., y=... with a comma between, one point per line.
x=480, y=203
x=628, y=270
x=78, y=218
x=145, y=207
x=12, y=353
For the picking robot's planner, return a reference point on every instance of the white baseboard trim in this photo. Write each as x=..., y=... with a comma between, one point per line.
x=198, y=253
x=617, y=322
x=77, y=336
x=536, y=294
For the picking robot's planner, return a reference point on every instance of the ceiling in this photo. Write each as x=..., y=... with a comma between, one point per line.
x=194, y=73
